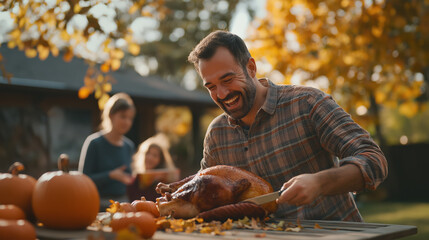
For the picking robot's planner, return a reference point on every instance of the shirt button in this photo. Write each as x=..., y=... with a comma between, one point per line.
x=246, y=148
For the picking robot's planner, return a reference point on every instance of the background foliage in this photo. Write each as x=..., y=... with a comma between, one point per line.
x=154, y=36
x=365, y=53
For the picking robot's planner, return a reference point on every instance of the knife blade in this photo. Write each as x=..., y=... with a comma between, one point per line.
x=266, y=198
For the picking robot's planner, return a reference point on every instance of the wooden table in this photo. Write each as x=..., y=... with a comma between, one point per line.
x=329, y=230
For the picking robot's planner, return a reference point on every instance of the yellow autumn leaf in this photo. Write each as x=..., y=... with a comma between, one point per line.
x=116, y=64
x=15, y=33
x=409, y=109
x=77, y=36
x=100, y=78
x=30, y=52
x=106, y=45
x=43, y=52
x=376, y=31
x=51, y=21
x=181, y=129
x=129, y=36
x=84, y=92
x=89, y=83
x=98, y=93
x=380, y=97
x=107, y=87
x=374, y=9
x=360, y=40
x=146, y=13
x=102, y=100
x=77, y=8
x=344, y=38
x=133, y=8
x=345, y=3
x=313, y=65
x=11, y=44
x=325, y=56
x=118, y=53
x=348, y=59
x=64, y=35
x=68, y=56
x=105, y=67
x=54, y=51
x=22, y=22
x=134, y=49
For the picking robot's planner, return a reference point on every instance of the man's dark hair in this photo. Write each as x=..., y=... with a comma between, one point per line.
x=208, y=46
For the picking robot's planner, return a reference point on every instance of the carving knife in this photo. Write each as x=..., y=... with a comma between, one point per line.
x=266, y=198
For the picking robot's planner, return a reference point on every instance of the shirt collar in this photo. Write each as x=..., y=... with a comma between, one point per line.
x=270, y=103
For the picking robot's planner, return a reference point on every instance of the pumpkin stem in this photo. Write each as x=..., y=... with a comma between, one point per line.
x=15, y=168
x=63, y=163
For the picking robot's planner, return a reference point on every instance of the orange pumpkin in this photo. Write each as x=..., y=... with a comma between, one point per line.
x=126, y=207
x=143, y=221
x=65, y=200
x=17, y=230
x=145, y=206
x=10, y=212
x=17, y=189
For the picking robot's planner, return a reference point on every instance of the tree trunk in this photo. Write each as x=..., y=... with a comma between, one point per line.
x=375, y=112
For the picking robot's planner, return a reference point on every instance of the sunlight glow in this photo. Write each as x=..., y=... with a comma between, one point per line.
x=403, y=139
x=6, y=23
x=77, y=22
x=292, y=41
x=299, y=76
x=419, y=77
x=190, y=80
x=240, y=21
x=276, y=76
x=145, y=65
x=361, y=110
x=145, y=30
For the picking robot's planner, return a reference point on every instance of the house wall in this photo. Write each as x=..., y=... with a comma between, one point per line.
x=38, y=125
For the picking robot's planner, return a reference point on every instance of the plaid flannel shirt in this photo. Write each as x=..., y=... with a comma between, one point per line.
x=298, y=130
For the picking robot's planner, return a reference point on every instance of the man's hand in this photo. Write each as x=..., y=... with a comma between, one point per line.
x=304, y=189
x=120, y=175
x=300, y=190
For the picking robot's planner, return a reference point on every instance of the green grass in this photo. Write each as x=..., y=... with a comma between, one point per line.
x=416, y=214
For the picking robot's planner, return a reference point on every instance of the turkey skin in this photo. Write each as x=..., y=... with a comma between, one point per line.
x=219, y=187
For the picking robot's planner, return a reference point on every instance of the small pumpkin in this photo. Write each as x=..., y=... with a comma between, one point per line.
x=145, y=206
x=11, y=212
x=17, y=229
x=65, y=199
x=126, y=207
x=144, y=222
x=16, y=188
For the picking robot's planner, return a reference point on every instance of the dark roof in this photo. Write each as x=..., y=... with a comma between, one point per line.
x=56, y=74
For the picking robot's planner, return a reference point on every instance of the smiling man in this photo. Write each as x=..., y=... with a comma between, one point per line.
x=295, y=137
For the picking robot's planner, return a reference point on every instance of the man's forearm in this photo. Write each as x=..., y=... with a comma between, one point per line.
x=347, y=178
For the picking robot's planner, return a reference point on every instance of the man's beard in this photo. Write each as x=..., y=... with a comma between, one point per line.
x=248, y=100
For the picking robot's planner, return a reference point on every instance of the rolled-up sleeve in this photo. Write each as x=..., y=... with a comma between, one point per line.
x=344, y=138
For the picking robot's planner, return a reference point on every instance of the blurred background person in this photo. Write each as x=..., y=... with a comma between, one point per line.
x=151, y=164
x=106, y=155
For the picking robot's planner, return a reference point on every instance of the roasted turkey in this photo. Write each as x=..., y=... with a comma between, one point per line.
x=215, y=193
